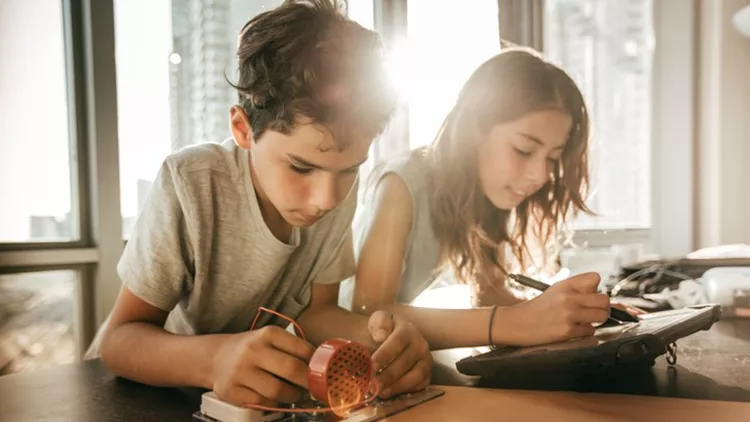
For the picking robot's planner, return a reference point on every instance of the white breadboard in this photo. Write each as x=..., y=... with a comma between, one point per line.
x=215, y=410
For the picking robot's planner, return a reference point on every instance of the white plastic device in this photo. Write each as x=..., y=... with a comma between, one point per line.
x=721, y=283
x=741, y=21
x=214, y=408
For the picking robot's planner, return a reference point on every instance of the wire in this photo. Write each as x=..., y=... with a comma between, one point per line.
x=280, y=315
x=336, y=410
x=658, y=270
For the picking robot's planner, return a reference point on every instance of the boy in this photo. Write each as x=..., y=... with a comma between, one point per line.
x=263, y=220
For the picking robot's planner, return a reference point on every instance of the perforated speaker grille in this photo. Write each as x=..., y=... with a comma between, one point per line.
x=348, y=375
x=340, y=373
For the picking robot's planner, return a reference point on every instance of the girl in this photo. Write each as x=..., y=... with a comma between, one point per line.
x=506, y=170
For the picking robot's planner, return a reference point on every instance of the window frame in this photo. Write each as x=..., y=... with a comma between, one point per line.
x=88, y=27
x=672, y=185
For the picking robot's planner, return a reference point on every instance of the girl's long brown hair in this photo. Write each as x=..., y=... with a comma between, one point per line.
x=471, y=231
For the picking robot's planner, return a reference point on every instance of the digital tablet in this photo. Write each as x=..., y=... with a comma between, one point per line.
x=631, y=344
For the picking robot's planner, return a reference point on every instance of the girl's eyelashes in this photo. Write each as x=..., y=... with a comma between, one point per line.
x=527, y=154
x=522, y=153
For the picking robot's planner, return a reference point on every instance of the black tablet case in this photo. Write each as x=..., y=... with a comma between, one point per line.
x=627, y=351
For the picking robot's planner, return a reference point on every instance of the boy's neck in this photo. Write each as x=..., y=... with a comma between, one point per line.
x=279, y=227
x=273, y=220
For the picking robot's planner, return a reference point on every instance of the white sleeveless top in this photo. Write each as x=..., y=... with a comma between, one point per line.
x=422, y=249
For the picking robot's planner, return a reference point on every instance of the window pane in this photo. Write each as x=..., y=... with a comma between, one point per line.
x=607, y=47
x=172, y=58
x=35, y=167
x=362, y=12
x=445, y=44
x=37, y=315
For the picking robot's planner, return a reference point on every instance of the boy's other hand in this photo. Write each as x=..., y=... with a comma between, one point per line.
x=568, y=309
x=403, y=362
x=264, y=366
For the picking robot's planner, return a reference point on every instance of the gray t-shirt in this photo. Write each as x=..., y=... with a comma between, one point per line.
x=422, y=250
x=201, y=249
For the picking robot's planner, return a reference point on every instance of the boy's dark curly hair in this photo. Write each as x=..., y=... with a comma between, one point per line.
x=306, y=60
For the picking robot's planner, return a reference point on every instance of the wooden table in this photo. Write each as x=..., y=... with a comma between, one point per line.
x=478, y=404
x=713, y=365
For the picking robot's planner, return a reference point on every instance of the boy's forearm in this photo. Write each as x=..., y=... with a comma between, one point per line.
x=326, y=322
x=148, y=354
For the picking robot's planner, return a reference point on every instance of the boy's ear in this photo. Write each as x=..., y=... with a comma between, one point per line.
x=242, y=132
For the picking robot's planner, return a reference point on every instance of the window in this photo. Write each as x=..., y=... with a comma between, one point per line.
x=35, y=160
x=172, y=58
x=362, y=12
x=37, y=320
x=428, y=65
x=607, y=47
x=445, y=43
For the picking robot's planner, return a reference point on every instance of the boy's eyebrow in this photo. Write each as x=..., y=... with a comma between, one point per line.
x=536, y=140
x=305, y=163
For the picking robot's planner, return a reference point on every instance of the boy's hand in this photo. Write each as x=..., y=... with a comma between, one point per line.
x=566, y=310
x=403, y=362
x=264, y=366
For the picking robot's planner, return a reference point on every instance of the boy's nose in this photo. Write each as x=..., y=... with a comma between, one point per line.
x=324, y=197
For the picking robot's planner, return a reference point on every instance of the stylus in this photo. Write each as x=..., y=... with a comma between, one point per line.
x=617, y=314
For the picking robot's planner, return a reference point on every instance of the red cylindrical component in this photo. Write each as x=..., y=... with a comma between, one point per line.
x=339, y=373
